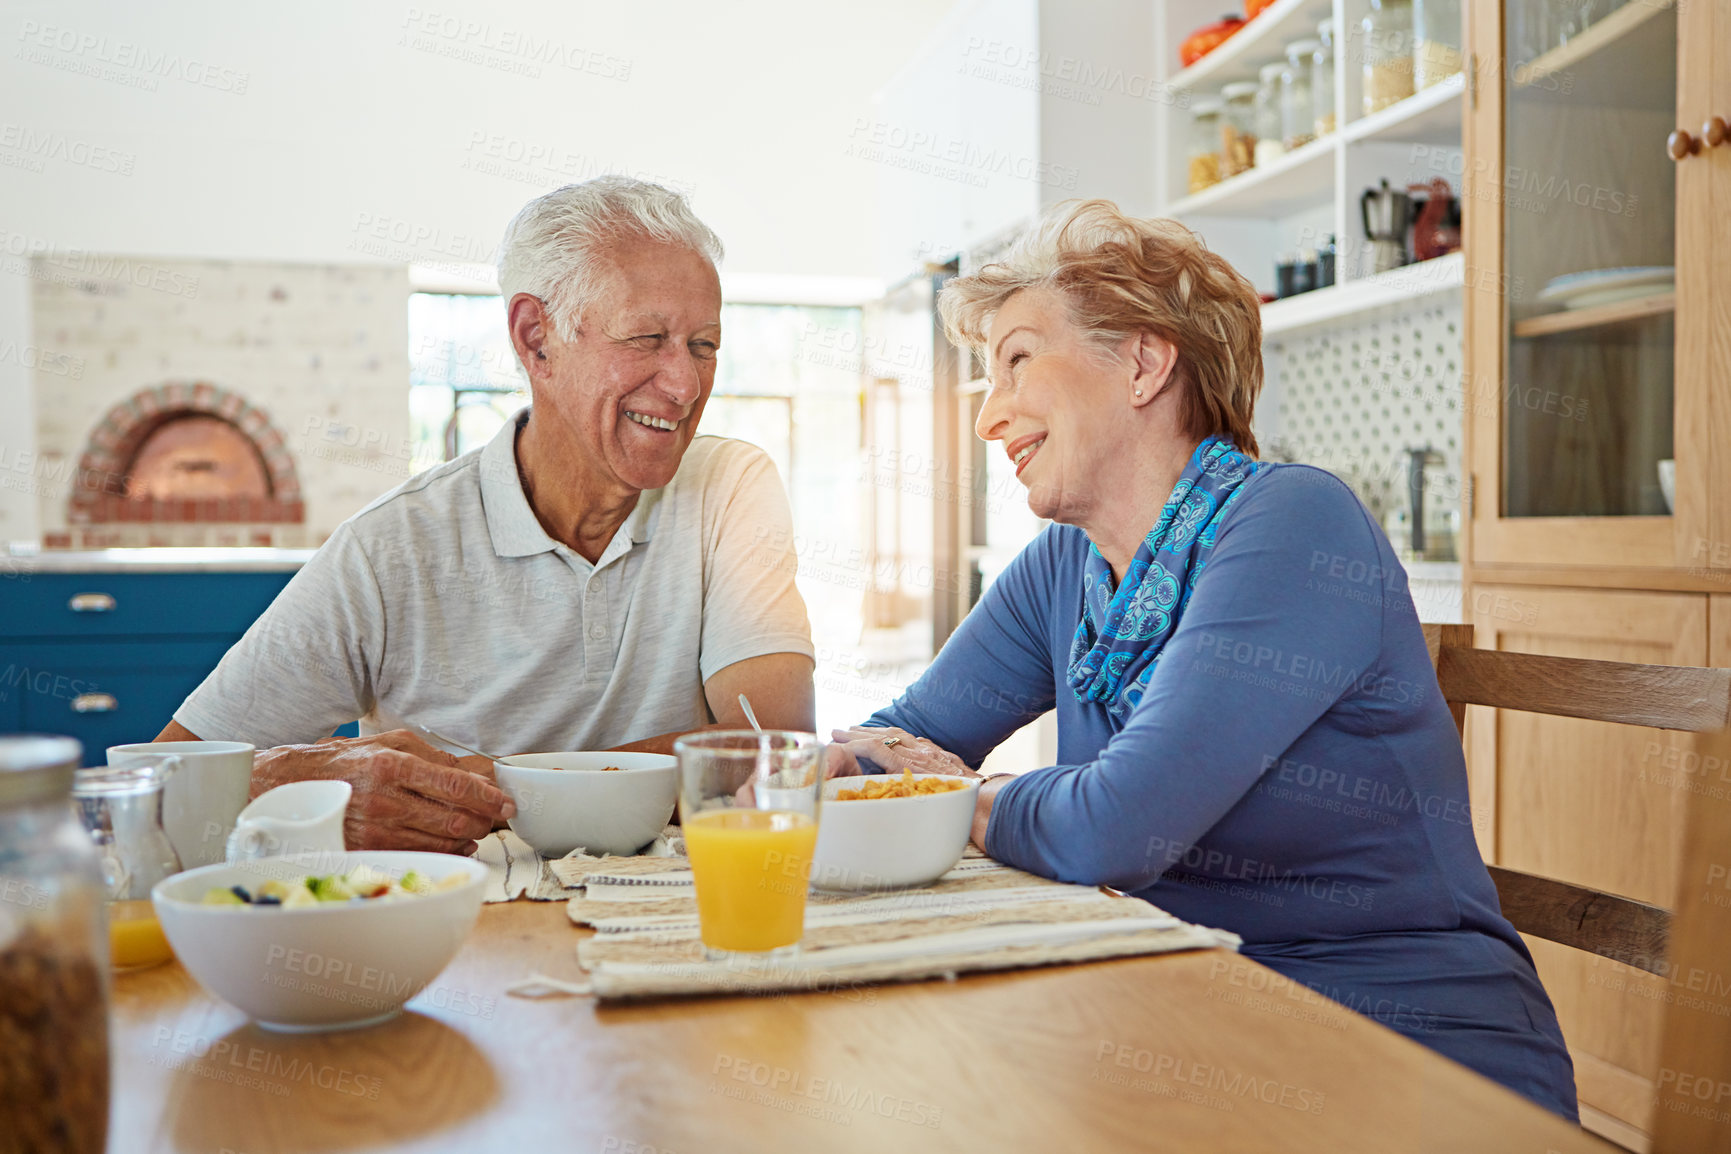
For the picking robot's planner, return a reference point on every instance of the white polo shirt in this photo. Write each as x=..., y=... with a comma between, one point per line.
x=445, y=604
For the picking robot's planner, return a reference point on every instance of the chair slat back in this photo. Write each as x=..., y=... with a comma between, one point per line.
x=1660, y=696
x=1614, y=927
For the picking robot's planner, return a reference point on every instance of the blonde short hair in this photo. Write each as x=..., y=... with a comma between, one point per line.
x=1119, y=276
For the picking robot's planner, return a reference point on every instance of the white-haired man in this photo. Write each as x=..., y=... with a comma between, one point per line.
x=591, y=579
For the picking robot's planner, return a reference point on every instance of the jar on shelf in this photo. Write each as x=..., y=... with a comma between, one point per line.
x=1268, y=145
x=1204, y=147
x=1322, y=78
x=53, y=955
x=1297, y=113
x=1387, y=54
x=1237, y=128
x=1436, y=41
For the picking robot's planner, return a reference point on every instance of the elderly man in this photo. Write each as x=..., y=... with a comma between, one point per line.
x=590, y=579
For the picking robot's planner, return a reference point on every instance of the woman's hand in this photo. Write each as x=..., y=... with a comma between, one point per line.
x=863, y=749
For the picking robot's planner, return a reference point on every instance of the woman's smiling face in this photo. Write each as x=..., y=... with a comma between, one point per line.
x=1057, y=404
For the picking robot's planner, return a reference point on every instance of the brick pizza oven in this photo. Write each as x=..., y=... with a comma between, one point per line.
x=186, y=453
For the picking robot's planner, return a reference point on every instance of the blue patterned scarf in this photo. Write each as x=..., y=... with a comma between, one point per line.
x=1122, y=632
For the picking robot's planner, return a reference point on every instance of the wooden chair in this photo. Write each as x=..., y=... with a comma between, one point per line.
x=1660, y=696
x=1691, y=939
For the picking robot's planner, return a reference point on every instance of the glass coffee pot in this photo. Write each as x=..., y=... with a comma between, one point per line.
x=121, y=809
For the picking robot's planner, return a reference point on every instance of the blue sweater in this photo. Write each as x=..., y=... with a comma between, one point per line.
x=1292, y=774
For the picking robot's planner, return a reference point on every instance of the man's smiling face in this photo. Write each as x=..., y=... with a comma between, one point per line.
x=631, y=385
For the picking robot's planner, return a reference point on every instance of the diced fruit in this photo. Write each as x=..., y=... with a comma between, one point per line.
x=331, y=889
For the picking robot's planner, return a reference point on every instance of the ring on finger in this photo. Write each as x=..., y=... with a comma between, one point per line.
x=892, y=742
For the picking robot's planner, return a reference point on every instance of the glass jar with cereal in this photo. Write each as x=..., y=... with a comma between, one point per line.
x=1204, y=146
x=1387, y=54
x=53, y=957
x=1237, y=128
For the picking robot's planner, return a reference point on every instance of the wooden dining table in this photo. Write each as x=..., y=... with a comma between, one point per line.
x=1197, y=1051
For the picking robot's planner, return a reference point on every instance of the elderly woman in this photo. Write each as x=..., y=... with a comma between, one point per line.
x=1250, y=733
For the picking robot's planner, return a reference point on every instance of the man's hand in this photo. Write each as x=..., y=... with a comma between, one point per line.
x=408, y=795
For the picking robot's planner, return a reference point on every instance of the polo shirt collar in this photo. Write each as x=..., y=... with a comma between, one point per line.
x=515, y=530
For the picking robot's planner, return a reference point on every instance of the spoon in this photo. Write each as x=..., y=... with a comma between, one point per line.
x=749, y=715
x=461, y=746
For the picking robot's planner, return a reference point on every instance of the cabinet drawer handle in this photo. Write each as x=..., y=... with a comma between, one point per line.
x=94, y=703
x=91, y=603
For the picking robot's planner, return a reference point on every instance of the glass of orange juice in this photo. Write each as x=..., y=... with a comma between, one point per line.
x=121, y=808
x=748, y=801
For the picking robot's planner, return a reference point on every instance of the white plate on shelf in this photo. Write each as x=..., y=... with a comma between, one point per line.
x=1603, y=286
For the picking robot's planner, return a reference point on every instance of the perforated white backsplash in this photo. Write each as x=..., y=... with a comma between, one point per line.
x=1353, y=398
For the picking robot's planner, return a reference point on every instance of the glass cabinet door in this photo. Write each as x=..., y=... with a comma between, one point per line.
x=1589, y=284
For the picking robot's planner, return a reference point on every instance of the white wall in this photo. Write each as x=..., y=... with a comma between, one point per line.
x=411, y=132
x=1009, y=107
x=953, y=147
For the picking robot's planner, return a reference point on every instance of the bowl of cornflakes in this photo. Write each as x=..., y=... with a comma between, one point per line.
x=891, y=831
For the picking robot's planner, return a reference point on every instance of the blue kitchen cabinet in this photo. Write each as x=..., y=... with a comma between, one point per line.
x=107, y=693
x=107, y=657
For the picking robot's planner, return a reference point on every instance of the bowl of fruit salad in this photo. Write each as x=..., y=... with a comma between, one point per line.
x=321, y=941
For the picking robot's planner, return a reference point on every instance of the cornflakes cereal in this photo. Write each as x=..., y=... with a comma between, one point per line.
x=903, y=786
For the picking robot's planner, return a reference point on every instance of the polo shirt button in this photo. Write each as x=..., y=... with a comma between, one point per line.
x=598, y=632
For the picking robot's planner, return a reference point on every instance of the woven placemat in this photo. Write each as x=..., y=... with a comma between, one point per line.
x=980, y=916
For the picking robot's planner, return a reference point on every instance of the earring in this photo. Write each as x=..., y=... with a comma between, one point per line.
x=1138, y=392
x=543, y=356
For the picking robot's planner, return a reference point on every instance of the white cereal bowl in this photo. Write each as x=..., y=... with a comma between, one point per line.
x=893, y=842
x=334, y=966
x=565, y=801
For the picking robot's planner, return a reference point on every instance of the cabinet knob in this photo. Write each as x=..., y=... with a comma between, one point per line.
x=1680, y=144
x=94, y=703
x=1715, y=131
x=91, y=603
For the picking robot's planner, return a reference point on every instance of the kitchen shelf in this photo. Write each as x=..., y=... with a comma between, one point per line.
x=1559, y=61
x=1383, y=290
x=1429, y=117
x=1305, y=176
x=1259, y=42
x=1573, y=320
x=1299, y=179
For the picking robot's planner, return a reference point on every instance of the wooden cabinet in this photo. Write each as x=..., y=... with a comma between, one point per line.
x=1598, y=370
x=1598, y=287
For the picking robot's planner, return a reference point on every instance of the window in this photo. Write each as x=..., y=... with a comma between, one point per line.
x=464, y=380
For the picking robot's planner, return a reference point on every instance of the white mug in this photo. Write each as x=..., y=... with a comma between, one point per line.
x=298, y=819
x=203, y=798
